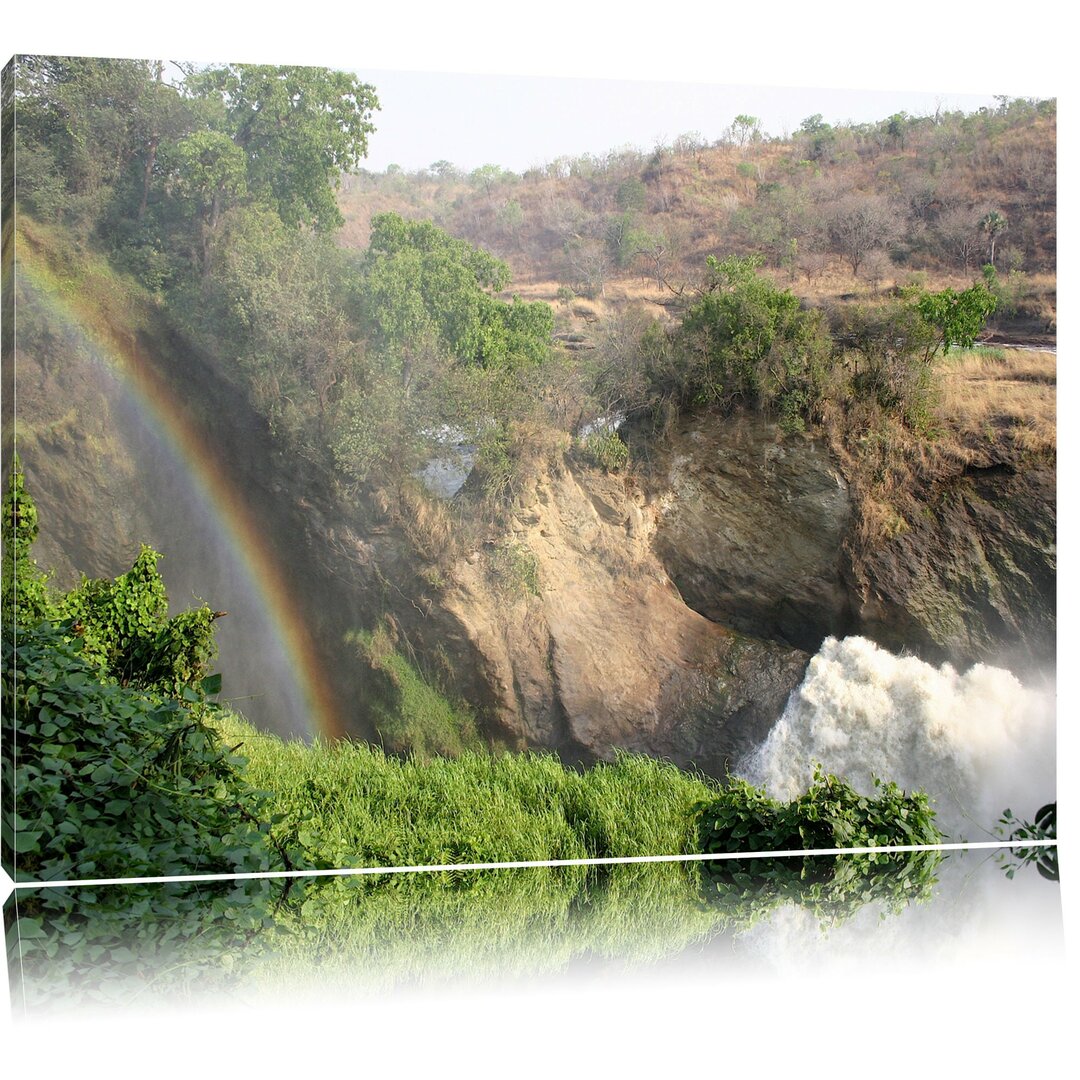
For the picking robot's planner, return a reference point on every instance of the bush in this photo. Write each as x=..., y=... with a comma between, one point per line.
x=744, y=341
x=830, y=814
x=886, y=345
x=114, y=770
x=605, y=450
x=111, y=781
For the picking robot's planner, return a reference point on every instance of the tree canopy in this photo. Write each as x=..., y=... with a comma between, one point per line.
x=299, y=127
x=425, y=291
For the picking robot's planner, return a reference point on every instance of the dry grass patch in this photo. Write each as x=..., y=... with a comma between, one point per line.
x=994, y=394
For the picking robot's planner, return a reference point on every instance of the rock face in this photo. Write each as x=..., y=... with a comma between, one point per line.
x=608, y=655
x=752, y=529
x=755, y=530
x=672, y=617
x=973, y=578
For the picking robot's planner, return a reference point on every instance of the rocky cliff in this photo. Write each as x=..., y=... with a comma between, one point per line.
x=669, y=612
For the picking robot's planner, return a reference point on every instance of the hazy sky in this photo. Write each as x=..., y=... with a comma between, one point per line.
x=517, y=122
x=564, y=73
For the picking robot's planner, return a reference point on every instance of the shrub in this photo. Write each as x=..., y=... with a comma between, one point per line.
x=744, y=341
x=112, y=781
x=605, y=450
x=830, y=814
x=886, y=346
x=113, y=769
x=514, y=569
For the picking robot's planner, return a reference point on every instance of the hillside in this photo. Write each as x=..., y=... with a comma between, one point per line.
x=603, y=611
x=837, y=212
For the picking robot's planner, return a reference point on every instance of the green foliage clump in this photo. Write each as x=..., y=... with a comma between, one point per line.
x=746, y=342
x=299, y=129
x=425, y=290
x=445, y=352
x=25, y=595
x=114, y=769
x=956, y=317
x=413, y=715
x=514, y=569
x=128, y=635
x=830, y=814
x=110, y=781
x=605, y=450
x=1044, y=856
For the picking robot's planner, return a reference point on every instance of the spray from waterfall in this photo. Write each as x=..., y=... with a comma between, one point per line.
x=976, y=743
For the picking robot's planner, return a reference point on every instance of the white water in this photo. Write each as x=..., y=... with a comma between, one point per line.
x=976, y=743
x=445, y=474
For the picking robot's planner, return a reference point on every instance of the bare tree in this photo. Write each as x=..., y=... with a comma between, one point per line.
x=957, y=236
x=589, y=264
x=860, y=224
x=876, y=267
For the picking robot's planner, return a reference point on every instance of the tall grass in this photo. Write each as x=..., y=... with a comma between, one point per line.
x=353, y=805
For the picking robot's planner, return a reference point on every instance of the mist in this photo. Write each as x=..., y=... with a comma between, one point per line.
x=977, y=742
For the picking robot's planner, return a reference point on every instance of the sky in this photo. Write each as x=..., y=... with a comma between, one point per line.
x=476, y=82
x=923, y=48
x=520, y=121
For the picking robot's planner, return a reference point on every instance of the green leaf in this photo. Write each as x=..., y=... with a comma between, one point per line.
x=26, y=842
x=28, y=929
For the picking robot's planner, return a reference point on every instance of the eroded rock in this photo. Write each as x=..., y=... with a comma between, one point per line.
x=752, y=527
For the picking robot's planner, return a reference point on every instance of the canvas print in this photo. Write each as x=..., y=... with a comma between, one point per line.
x=691, y=498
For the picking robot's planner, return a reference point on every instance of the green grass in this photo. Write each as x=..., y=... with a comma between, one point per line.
x=351, y=804
x=411, y=714
x=354, y=805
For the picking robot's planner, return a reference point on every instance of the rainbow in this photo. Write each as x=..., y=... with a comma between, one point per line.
x=226, y=512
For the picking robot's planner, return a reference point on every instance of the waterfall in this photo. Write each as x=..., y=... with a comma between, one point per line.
x=976, y=743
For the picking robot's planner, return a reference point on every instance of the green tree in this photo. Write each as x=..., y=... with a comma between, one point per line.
x=489, y=177
x=444, y=350
x=299, y=129
x=820, y=137
x=427, y=292
x=746, y=341
x=209, y=172
x=88, y=134
x=993, y=224
x=631, y=194
x=745, y=129
x=957, y=318
x=88, y=112
x=279, y=309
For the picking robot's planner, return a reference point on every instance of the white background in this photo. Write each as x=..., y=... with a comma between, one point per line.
x=989, y=1018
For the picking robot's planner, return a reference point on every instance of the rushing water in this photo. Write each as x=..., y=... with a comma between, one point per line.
x=976, y=743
